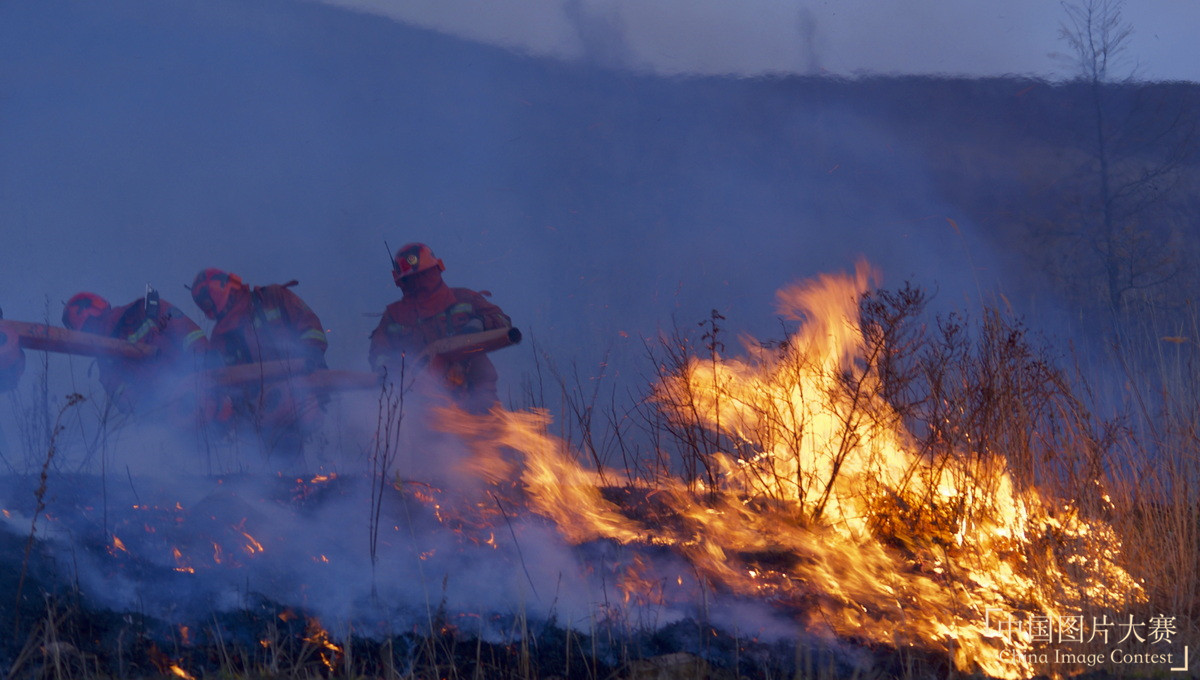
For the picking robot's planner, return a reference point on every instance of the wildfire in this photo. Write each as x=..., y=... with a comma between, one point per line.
x=819, y=502
x=318, y=637
x=179, y=672
x=252, y=546
x=181, y=563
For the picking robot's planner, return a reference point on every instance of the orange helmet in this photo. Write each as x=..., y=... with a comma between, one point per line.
x=82, y=309
x=414, y=258
x=213, y=289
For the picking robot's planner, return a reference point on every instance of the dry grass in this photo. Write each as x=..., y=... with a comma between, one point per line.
x=981, y=388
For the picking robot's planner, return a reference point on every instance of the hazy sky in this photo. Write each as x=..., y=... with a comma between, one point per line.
x=844, y=37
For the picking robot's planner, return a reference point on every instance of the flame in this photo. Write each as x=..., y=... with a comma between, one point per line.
x=817, y=500
x=638, y=585
x=176, y=670
x=118, y=544
x=318, y=637
x=253, y=546
x=181, y=562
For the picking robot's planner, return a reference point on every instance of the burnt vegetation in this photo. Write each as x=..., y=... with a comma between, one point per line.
x=980, y=388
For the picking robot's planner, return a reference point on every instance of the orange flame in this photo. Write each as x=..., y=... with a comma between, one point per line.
x=179, y=672
x=253, y=546
x=181, y=562
x=822, y=503
x=319, y=638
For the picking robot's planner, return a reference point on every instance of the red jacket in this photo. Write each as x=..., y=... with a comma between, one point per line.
x=267, y=324
x=411, y=323
x=181, y=350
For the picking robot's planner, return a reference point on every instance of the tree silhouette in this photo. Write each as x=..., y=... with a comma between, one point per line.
x=1137, y=140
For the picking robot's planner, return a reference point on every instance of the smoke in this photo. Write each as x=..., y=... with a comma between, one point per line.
x=807, y=26
x=601, y=32
x=668, y=37
x=181, y=547
x=290, y=140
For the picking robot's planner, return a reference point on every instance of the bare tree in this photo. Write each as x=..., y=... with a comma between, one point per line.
x=1137, y=140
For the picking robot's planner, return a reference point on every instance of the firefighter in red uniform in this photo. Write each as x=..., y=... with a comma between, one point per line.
x=265, y=324
x=431, y=310
x=138, y=385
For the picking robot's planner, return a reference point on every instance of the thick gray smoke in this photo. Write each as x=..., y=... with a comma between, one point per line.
x=376, y=552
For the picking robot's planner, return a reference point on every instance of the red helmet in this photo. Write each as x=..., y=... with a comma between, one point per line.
x=213, y=289
x=84, y=309
x=412, y=259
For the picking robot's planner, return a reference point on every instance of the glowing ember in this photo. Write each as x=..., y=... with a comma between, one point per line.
x=819, y=501
x=179, y=672
x=253, y=546
x=316, y=636
x=181, y=562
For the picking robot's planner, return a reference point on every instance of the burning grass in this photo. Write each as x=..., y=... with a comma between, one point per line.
x=877, y=494
x=874, y=479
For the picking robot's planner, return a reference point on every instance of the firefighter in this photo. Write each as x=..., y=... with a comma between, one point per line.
x=137, y=385
x=430, y=310
x=265, y=324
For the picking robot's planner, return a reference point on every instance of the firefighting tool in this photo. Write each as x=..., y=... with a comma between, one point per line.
x=17, y=336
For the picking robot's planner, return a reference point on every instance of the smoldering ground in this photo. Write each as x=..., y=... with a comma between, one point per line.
x=368, y=546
